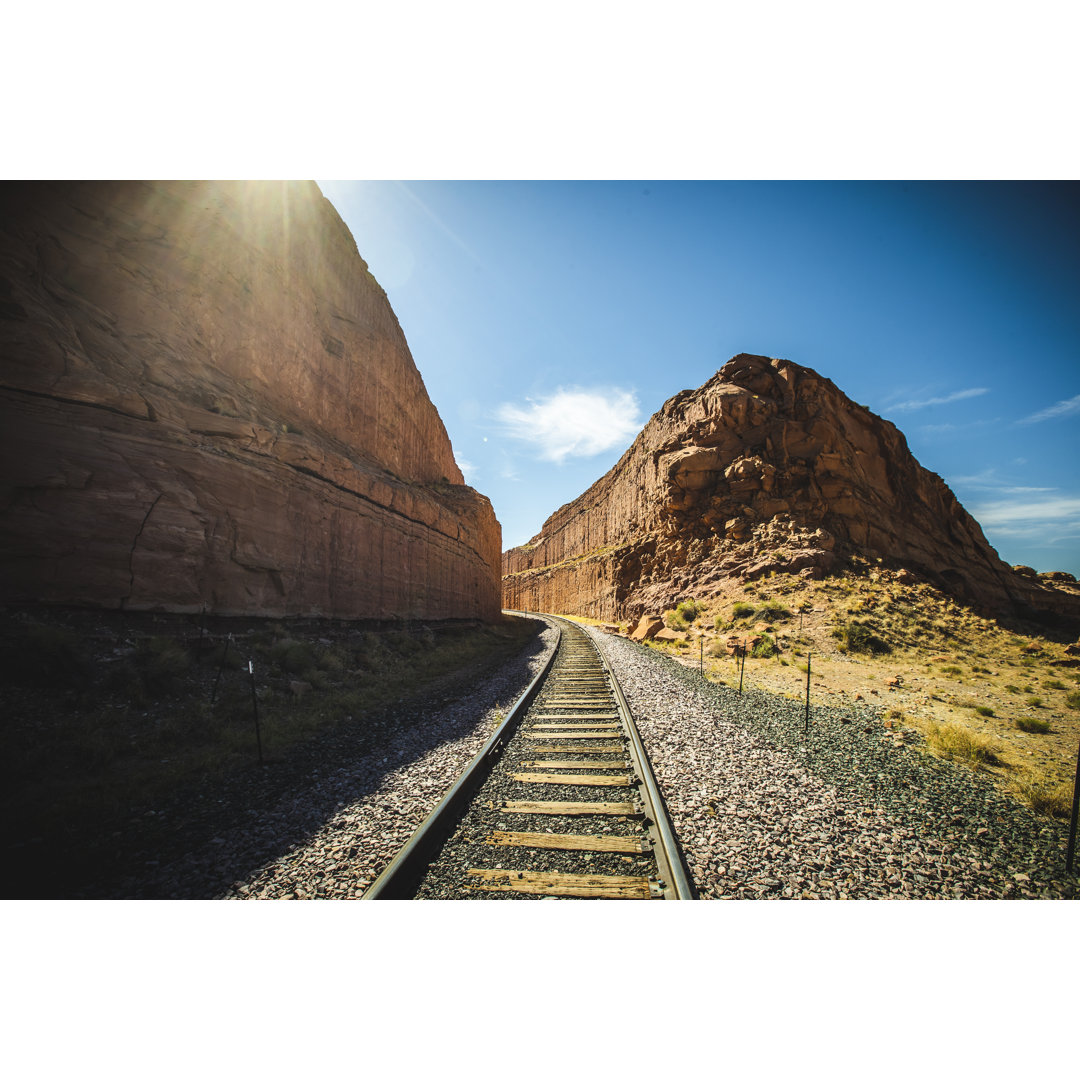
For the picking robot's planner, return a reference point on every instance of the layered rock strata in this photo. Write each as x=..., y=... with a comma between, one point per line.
x=209, y=403
x=767, y=467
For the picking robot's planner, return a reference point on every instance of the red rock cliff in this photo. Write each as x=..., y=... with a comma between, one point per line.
x=207, y=400
x=768, y=466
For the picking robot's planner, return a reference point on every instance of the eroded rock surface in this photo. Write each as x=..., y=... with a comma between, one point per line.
x=768, y=467
x=208, y=401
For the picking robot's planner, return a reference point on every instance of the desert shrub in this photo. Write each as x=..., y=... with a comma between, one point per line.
x=1054, y=684
x=293, y=657
x=1036, y=727
x=961, y=744
x=765, y=648
x=1012, y=689
x=1034, y=702
x=41, y=655
x=1053, y=800
x=952, y=670
x=720, y=623
x=774, y=611
x=1073, y=699
x=688, y=610
x=160, y=661
x=742, y=611
x=857, y=637
x=984, y=710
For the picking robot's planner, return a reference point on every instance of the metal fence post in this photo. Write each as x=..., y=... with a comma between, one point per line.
x=1072, y=821
x=806, y=722
x=255, y=709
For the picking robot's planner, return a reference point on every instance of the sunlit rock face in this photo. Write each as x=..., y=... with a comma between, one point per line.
x=208, y=402
x=768, y=467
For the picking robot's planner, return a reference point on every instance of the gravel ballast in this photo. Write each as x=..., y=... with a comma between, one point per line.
x=861, y=813
x=858, y=812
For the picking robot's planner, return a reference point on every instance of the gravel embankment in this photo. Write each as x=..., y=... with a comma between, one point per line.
x=861, y=813
x=347, y=851
x=330, y=830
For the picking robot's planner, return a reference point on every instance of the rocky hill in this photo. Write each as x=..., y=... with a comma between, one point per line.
x=208, y=402
x=768, y=467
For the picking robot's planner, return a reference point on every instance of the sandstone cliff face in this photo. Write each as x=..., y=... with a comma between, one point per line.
x=768, y=466
x=208, y=401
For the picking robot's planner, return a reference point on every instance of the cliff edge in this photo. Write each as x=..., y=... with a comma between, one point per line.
x=768, y=467
x=208, y=402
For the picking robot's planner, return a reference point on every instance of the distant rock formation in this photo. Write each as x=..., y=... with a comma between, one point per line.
x=208, y=401
x=767, y=467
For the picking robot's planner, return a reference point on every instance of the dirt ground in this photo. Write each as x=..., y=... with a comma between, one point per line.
x=946, y=667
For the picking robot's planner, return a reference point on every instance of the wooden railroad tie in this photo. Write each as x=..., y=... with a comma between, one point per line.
x=633, y=845
x=572, y=778
x=589, y=886
x=569, y=763
x=569, y=735
x=571, y=809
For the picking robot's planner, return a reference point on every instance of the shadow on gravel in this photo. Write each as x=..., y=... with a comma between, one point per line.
x=208, y=834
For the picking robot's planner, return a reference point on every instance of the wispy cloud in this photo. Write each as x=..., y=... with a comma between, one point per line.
x=468, y=469
x=1062, y=408
x=948, y=399
x=1047, y=520
x=573, y=421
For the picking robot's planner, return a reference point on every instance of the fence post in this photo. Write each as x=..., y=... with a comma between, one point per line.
x=1072, y=821
x=806, y=722
x=217, y=678
x=255, y=709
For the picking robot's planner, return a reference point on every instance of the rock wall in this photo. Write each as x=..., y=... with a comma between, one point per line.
x=208, y=401
x=767, y=467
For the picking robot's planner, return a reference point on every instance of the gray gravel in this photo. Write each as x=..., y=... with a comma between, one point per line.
x=859, y=813
x=327, y=827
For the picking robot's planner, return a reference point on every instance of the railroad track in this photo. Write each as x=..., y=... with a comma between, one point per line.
x=561, y=802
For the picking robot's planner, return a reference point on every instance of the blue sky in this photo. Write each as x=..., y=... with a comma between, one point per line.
x=550, y=320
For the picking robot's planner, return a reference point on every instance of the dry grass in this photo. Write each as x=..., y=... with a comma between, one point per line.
x=948, y=665
x=960, y=743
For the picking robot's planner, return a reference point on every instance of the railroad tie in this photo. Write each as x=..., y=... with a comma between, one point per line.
x=586, y=886
x=571, y=809
x=571, y=779
x=633, y=845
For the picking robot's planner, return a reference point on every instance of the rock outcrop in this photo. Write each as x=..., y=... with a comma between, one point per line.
x=208, y=402
x=767, y=467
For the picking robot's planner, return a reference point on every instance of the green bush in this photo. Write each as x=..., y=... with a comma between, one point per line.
x=1073, y=699
x=765, y=648
x=160, y=662
x=688, y=610
x=1012, y=689
x=1054, y=684
x=774, y=611
x=953, y=670
x=1034, y=702
x=857, y=637
x=984, y=710
x=1036, y=727
x=742, y=611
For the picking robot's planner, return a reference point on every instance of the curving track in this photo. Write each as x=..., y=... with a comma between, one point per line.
x=561, y=802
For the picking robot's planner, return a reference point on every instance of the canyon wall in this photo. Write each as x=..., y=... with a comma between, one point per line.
x=208, y=402
x=768, y=467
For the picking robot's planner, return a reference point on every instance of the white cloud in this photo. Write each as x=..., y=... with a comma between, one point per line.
x=468, y=469
x=1038, y=518
x=574, y=421
x=948, y=399
x=1062, y=408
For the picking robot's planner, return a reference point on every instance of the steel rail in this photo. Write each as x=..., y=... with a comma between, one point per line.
x=668, y=854
x=401, y=876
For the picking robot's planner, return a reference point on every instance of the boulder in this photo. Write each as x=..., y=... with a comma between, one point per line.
x=648, y=626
